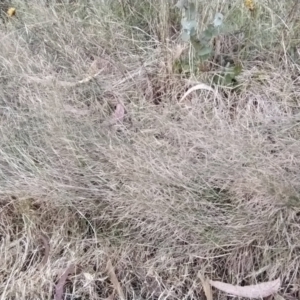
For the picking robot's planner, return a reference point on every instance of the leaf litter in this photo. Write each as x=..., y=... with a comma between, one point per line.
x=256, y=291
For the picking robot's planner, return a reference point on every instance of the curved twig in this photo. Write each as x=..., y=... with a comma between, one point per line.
x=59, y=288
x=46, y=244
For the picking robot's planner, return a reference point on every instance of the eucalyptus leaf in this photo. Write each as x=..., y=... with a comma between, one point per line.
x=209, y=33
x=200, y=49
x=188, y=7
x=181, y=4
x=191, y=11
x=205, y=51
x=188, y=25
x=196, y=43
x=205, y=57
x=185, y=36
x=218, y=20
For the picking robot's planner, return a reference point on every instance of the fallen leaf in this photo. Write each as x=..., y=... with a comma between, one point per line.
x=206, y=287
x=250, y=5
x=119, y=113
x=260, y=290
x=200, y=86
x=114, y=280
x=218, y=20
x=11, y=11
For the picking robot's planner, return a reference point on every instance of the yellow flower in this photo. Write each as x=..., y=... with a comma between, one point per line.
x=250, y=4
x=11, y=11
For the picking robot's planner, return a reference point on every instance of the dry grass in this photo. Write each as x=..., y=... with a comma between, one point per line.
x=208, y=185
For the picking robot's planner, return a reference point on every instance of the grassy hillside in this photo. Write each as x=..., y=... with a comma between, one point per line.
x=112, y=185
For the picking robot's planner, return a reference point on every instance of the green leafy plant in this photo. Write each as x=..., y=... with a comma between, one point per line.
x=201, y=42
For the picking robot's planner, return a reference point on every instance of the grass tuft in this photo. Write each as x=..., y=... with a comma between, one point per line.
x=168, y=188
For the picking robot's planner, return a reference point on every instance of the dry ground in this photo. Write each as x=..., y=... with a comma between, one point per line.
x=208, y=184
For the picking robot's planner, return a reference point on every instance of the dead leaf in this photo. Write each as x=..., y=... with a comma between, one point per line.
x=11, y=12
x=260, y=290
x=119, y=113
x=200, y=86
x=114, y=280
x=206, y=287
